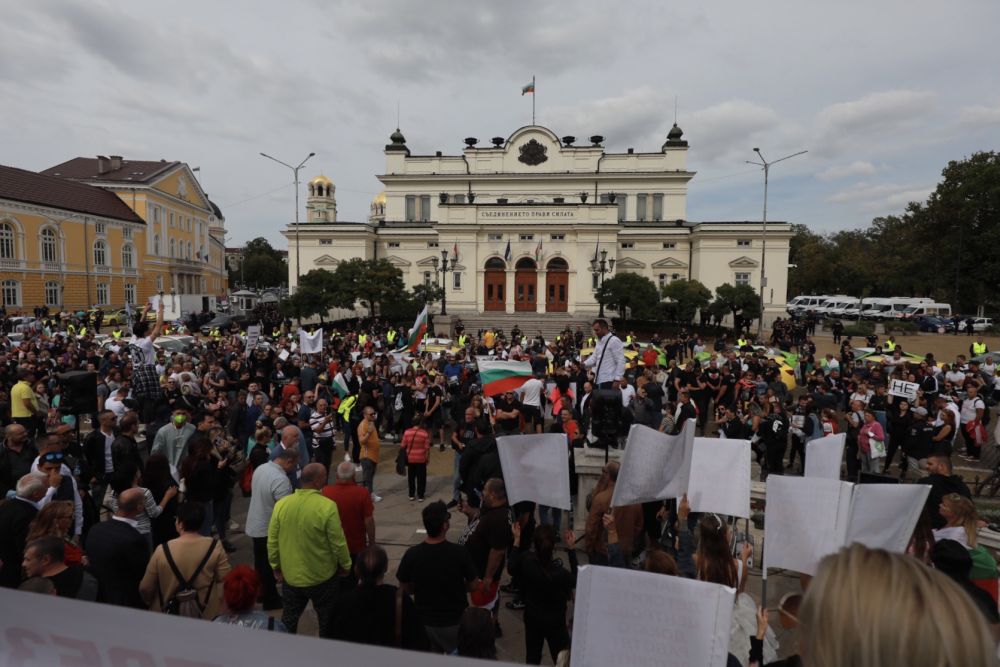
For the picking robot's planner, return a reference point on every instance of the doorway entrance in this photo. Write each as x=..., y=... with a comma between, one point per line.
x=495, y=282
x=557, y=286
x=525, y=285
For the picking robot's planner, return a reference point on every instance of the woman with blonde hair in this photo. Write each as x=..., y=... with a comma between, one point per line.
x=869, y=608
x=56, y=520
x=960, y=521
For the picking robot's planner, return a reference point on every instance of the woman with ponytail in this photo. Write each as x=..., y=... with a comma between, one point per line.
x=240, y=590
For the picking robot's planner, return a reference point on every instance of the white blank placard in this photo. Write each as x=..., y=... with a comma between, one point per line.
x=655, y=465
x=720, y=477
x=536, y=468
x=823, y=456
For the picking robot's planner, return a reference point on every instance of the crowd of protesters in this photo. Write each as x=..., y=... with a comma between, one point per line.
x=130, y=504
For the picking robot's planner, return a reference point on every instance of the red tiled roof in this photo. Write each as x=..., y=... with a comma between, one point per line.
x=32, y=188
x=131, y=171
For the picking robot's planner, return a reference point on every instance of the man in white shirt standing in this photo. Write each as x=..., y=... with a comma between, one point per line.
x=270, y=484
x=531, y=400
x=608, y=359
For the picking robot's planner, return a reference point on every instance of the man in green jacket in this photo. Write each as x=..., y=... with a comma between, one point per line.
x=308, y=551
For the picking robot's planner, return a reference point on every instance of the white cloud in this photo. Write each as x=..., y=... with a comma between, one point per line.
x=884, y=198
x=980, y=115
x=638, y=117
x=841, y=171
x=727, y=131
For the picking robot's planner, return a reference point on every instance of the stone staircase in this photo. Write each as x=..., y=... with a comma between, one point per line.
x=550, y=324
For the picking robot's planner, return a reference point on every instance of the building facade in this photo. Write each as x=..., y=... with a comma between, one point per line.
x=524, y=218
x=184, y=247
x=64, y=244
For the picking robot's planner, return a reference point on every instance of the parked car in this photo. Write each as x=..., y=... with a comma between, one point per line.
x=222, y=323
x=931, y=323
x=982, y=323
x=173, y=344
x=121, y=317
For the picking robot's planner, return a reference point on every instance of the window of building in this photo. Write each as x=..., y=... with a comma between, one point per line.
x=743, y=243
x=326, y=241
x=11, y=293
x=392, y=244
x=622, y=207
x=173, y=248
x=53, y=294
x=156, y=213
x=201, y=228
x=189, y=249
x=171, y=218
x=593, y=282
x=159, y=283
x=50, y=249
x=7, y=247
x=127, y=232
x=526, y=237
x=640, y=207
x=458, y=199
x=456, y=280
x=427, y=278
x=432, y=244
x=101, y=227
x=669, y=245
x=658, y=207
x=425, y=208
x=156, y=244
x=742, y=279
x=627, y=245
x=190, y=226
x=664, y=279
x=411, y=208
x=128, y=256
x=494, y=237
x=100, y=253
x=129, y=293
x=319, y=216
x=103, y=294
x=558, y=237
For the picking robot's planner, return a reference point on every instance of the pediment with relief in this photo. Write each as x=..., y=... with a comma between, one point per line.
x=629, y=263
x=326, y=260
x=669, y=263
x=744, y=262
x=397, y=261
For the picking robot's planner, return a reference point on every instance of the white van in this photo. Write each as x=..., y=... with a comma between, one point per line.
x=898, y=305
x=932, y=309
x=854, y=312
x=802, y=304
x=823, y=309
x=841, y=306
x=875, y=308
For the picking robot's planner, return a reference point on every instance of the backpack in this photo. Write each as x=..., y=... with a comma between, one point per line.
x=184, y=601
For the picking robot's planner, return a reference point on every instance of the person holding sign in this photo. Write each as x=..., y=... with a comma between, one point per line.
x=145, y=379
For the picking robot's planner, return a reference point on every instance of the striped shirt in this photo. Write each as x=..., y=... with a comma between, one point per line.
x=319, y=425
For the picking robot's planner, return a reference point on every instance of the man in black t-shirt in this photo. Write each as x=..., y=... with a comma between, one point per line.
x=438, y=574
x=487, y=538
x=508, y=414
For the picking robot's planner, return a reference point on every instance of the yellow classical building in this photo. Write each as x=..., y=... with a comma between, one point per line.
x=184, y=246
x=67, y=245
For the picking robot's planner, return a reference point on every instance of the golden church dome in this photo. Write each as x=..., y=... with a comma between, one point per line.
x=321, y=180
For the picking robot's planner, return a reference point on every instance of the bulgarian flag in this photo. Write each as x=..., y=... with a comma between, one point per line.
x=528, y=88
x=417, y=332
x=500, y=376
x=339, y=386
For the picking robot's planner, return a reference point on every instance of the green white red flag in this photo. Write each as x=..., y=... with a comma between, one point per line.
x=418, y=331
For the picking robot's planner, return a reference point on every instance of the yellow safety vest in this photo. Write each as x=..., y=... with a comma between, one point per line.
x=83, y=331
x=742, y=342
x=276, y=333
x=979, y=348
x=628, y=340
x=391, y=335
x=362, y=338
x=890, y=345
x=346, y=406
x=215, y=333
x=462, y=340
x=590, y=342
x=70, y=328
x=116, y=334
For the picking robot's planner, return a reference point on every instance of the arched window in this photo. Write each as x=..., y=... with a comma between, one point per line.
x=557, y=264
x=7, y=247
x=11, y=290
x=100, y=253
x=156, y=244
x=173, y=248
x=50, y=248
x=128, y=256
x=525, y=264
x=495, y=263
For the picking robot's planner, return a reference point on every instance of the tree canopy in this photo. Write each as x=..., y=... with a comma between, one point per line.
x=736, y=300
x=687, y=297
x=944, y=248
x=260, y=266
x=369, y=281
x=629, y=294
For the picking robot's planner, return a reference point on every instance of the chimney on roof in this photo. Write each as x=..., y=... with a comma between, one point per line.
x=116, y=162
x=103, y=164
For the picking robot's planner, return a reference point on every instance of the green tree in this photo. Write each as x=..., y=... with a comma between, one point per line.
x=738, y=300
x=261, y=246
x=370, y=281
x=314, y=295
x=263, y=271
x=423, y=293
x=687, y=297
x=629, y=292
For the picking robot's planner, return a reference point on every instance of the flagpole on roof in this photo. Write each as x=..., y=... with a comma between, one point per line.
x=533, y=95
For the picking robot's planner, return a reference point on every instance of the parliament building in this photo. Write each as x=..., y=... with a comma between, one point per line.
x=528, y=214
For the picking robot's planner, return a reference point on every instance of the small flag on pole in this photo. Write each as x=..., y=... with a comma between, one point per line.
x=538, y=251
x=529, y=88
x=506, y=253
x=417, y=332
x=455, y=251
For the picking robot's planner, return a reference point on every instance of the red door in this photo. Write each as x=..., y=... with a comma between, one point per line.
x=495, y=283
x=525, y=284
x=556, y=291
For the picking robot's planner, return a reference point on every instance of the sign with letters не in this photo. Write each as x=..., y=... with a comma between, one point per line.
x=903, y=389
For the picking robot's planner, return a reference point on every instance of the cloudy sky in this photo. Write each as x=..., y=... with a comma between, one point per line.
x=882, y=94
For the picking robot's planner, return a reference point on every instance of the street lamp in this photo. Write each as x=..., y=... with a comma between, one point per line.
x=600, y=267
x=295, y=171
x=763, y=246
x=445, y=268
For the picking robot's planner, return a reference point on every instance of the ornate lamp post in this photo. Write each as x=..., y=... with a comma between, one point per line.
x=445, y=267
x=601, y=267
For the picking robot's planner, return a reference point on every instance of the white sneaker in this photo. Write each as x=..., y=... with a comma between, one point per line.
x=376, y=499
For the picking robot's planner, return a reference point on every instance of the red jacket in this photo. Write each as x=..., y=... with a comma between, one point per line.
x=417, y=443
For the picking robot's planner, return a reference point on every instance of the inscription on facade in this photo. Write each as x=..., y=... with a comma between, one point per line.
x=530, y=213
